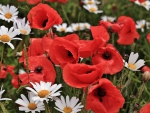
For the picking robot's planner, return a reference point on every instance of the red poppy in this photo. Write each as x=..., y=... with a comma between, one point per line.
x=32, y=2
x=145, y=68
x=40, y=67
x=138, y=0
x=43, y=17
x=128, y=32
x=99, y=31
x=5, y=70
x=62, y=1
x=148, y=37
x=112, y=27
x=104, y=97
x=63, y=51
x=35, y=48
x=75, y=74
x=107, y=56
x=145, y=108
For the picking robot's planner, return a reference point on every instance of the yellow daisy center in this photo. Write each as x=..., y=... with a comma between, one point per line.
x=23, y=31
x=67, y=109
x=43, y=93
x=142, y=26
x=5, y=38
x=144, y=3
x=77, y=28
x=32, y=106
x=8, y=15
x=90, y=2
x=62, y=29
x=132, y=66
x=92, y=9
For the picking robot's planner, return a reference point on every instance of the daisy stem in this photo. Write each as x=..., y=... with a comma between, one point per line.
x=47, y=109
x=2, y=54
x=3, y=108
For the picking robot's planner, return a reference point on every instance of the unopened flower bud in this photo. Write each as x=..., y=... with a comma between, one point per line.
x=146, y=76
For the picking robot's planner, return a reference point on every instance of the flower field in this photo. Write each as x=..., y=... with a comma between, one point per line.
x=74, y=56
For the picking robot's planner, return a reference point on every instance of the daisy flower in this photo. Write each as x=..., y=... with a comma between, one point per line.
x=92, y=8
x=147, y=25
x=145, y=4
x=6, y=36
x=76, y=27
x=141, y=24
x=63, y=28
x=30, y=105
x=44, y=91
x=84, y=25
x=132, y=64
x=23, y=27
x=1, y=92
x=68, y=105
x=108, y=18
x=8, y=13
x=90, y=2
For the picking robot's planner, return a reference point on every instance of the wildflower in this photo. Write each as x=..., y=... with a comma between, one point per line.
x=50, y=17
x=68, y=105
x=107, y=57
x=147, y=25
x=8, y=13
x=92, y=8
x=148, y=37
x=145, y=4
x=141, y=25
x=63, y=28
x=44, y=90
x=74, y=74
x=132, y=64
x=1, y=92
x=6, y=36
x=90, y=2
x=104, y=97
x=23, y=27
x=145, y=108
x=108, y=18
x=29, y=105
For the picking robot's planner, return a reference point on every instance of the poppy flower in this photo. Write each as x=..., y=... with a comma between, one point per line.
x=75, y=74
x=62, y=1
x=128, y=32
x=49, y=17
x=34, y=49
x=63, y=51
x=5, y=70
x=107, y=56
x=99, y=31
x=41, y=66
x=104, y=97
x=148, y=37
x=145, y=108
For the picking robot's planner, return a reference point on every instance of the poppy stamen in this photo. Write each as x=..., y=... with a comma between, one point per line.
x=107, y=55
x=101, y=93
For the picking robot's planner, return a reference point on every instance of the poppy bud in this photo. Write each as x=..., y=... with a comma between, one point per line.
x=146, y=76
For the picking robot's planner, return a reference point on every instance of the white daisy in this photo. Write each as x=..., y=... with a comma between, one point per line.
x=84, y=26
x=132, y=64
x=145, y=4
x=68, y=105
x=30, y=105
x=90, y=2
x=92, y=8
x=44, y=91
x=108, y=18
x=147, y=25
x=141, y=24
x=23, y=27
x=80, y=26
x=63, y=28
x=1, y=92
x=8, y=13
x=6, y=36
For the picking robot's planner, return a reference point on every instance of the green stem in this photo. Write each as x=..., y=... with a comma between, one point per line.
x=1, y=57
x=3, y=108
x=65, y=14
x=84, y=100
x=47, y=109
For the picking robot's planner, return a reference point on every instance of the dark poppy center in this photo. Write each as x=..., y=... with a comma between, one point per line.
x=5, y=68
x=70, y=54
x=44, y=23
x=107, y=55
x=38, y=69
x=101, y=93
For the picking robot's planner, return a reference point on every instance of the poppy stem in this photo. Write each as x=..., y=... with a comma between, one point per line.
x=2, y=54
x=84, y=100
